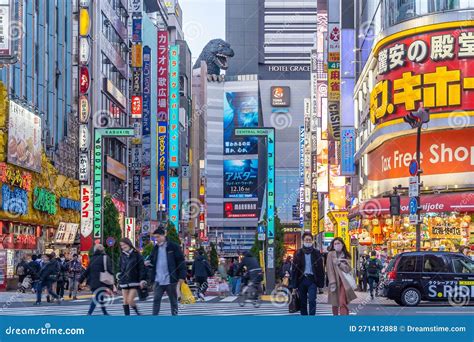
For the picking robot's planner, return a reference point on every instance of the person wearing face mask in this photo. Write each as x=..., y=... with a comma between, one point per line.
x=132, y=275
x=307, y=274
x=340, y=290
x=167, y=270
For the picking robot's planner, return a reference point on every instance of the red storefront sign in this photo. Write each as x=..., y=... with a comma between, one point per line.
x=17, y=241
x=432, y=67
x=454, y=202
x=163, y=80
x=84, y=80
x=443, y=152
x=137, y=107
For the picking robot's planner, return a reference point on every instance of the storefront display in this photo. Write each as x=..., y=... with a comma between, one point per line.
x=439, y=231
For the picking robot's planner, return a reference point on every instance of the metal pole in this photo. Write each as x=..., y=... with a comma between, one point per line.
x=418, y=211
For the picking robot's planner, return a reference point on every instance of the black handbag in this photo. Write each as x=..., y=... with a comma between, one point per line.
x=295, y=303
x=143, y=293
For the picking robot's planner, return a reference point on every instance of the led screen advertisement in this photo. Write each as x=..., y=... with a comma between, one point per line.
x=240, y=178
x=240, y=110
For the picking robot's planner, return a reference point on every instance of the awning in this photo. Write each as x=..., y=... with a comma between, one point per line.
x=449, y=202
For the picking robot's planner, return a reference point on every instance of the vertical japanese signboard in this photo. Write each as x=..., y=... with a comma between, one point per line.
x=162, y=164
x=99, y=134
x=173, y=160
x=347, y=151
x=162, y=76
x=334, y=81
x=162, y=117
x=174, y=202
x=86, y=210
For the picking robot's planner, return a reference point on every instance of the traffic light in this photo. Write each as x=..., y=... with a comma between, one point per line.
x=394, y=205
x=416, y=119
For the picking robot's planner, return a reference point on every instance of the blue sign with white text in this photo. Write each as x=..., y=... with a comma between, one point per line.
x=347, y=151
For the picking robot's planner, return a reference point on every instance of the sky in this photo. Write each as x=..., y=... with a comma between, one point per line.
x=203, y=20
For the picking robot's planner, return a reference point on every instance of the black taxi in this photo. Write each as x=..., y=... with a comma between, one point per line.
x=430, y=276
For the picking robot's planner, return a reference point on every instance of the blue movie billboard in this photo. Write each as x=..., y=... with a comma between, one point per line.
x=241, y=178
x=240, y=110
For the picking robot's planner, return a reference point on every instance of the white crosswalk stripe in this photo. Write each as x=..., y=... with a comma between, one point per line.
x=224, y=307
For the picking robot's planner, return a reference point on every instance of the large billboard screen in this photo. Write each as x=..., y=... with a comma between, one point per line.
x=240, y=110
x=24, y=138
x=240, y=178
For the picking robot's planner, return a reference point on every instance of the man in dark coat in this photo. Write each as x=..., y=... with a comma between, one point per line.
x=201, y=271
x=92, y=274
x=167, y=270
x=307, y=274
x=47, y=276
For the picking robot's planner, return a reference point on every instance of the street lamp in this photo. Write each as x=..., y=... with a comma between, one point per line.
x=416, y=120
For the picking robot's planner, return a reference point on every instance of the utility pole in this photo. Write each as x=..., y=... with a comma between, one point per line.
x=416, y=120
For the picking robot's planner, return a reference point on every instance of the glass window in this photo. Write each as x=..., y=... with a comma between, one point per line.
x=463, y=265
x=407, y=264
x=434, y=263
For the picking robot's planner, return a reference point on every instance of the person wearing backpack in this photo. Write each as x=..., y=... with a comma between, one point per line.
x=373, y=267
x=201, y=271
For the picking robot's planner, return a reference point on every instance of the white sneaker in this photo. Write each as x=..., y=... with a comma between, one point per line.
x=202, y=296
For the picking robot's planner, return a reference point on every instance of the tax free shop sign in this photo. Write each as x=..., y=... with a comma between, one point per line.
x=447, y=158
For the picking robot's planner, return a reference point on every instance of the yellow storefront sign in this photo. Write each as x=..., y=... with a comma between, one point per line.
x=314, y=217
x=341, y=225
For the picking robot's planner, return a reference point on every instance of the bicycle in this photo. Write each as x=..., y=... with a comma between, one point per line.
x=250, y=293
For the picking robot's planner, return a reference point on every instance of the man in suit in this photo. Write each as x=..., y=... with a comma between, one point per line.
x=168, y=270
x=307, y=274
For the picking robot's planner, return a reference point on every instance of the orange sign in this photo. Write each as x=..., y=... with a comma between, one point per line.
x=442, y=152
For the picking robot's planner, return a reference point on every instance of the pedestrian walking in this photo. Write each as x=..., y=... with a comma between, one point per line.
x=373, y=267
x=34, y=269
x=47, y=276
x=21, y=269
x=75, y=270
x=99, y=275
x=363, y=273
x=168, y=270
x=307, y=274
x=338, y=270
x=201, y=270
x=62, y=275
x=132, y=275
x=286, y=271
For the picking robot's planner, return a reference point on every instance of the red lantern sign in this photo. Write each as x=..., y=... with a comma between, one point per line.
x=84, y=80
x=137, y=107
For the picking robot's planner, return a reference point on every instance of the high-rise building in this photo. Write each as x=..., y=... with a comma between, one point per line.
x=42, y=79
x=273, y=39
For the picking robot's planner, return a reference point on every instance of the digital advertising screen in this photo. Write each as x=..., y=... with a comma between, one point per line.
x=240, y=110
x=240, y=178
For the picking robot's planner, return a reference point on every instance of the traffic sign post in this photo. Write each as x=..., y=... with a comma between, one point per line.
x=413, y=187
x=269, y=135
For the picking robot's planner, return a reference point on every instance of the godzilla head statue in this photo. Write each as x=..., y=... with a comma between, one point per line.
x=216, y=54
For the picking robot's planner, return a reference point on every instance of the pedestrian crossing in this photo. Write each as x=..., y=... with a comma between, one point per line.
x=226, y=306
